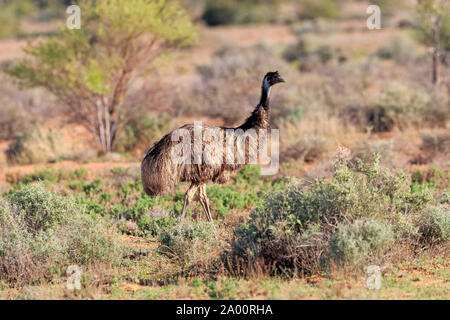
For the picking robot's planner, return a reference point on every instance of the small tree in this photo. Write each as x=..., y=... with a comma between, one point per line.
x=91, y=69
x=433, y=18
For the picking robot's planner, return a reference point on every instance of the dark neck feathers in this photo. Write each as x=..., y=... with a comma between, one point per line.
x=260, y=117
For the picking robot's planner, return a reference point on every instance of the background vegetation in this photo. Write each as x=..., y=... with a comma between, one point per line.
x=364, y=144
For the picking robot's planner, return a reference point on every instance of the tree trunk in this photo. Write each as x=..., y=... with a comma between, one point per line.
x=436, y=49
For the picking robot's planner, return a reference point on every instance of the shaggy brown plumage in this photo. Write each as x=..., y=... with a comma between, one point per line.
x=160, y=174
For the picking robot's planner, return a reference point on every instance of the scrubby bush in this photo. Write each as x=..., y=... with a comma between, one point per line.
x=220, y=12
x=13, y=121
x=359, y=241
x=312, y=9
x=41, y=231
x=366, y=148
x=10, y=14
x=42, y=209
x=191, y=244
x=155, y=221
x=36, y=145
x=292, y=228
x=142, y=129
x=434, y=224
x=435, y=142
x=310, y=58
x=225, y=198
x=307, y=148
x=399, y=105
x=402, y=50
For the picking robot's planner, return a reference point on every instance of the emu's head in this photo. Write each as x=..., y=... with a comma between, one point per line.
x=271, y=78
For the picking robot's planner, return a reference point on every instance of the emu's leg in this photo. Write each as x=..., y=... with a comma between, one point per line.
x=205, y=202
x=188, y=196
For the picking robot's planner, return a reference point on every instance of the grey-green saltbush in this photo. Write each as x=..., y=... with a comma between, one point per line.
x=434, y=224
x=293, y=227
x=363, y=239
x=192, y=244
x=42, y=231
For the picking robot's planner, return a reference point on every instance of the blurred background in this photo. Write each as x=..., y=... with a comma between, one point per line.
x=103, y=94
x=366, y=112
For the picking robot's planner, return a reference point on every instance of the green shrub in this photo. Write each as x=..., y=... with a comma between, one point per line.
x=42, y=209
x=191, y=244
x=225, y=198
x=434, y=224
x=41, y=231
x=291, y=229
x=249, y=175
x=156, y=222
x=219, y=12
x=320, y=9
x=10, y=14
x=359, y=241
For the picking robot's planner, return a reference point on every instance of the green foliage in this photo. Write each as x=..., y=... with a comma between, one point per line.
x=429, y=11
x=41, y=231
x=42, y=209
x=225, y=198
x=250, y=175
x=153, y=226
x=434, y=224
x=239, y=12
x=10, y=15
x=54, y=175
x=313, y=9
x=90, y=69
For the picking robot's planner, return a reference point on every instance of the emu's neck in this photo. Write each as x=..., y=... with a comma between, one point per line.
x=260, y=117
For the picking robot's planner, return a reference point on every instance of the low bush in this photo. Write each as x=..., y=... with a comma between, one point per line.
x=399, y=105
x=13, y=121
x=292, y=228
x=312, y=9
x=434, y=224
x=435, y=142
x=367, y=147
x=307, y=148
x=401, y=49
x=219, y=12
x=36, y=145
x=143, y=128
x=359, y=241
x=192, y=244
x=41, y=231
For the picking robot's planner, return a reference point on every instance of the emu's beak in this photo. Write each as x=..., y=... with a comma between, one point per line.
x=280, y=79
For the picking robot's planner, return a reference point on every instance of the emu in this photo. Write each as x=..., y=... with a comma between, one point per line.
x=160, y=173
